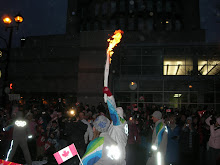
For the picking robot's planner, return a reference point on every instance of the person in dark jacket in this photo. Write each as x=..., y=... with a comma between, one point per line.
x=74, y=133
x=189, y=144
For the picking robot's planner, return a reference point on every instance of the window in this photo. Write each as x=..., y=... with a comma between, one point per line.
x=177, y=65
x=209, y=66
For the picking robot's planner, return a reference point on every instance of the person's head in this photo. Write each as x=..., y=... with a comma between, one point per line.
x=81, y=115
x=101, y=124
x=157, y=115
x=172, y=119
x=183, y=117
x=189, y=120
x=217, y=122
x=120, y=112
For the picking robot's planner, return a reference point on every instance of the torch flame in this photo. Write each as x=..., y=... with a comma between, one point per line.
x=113, y=41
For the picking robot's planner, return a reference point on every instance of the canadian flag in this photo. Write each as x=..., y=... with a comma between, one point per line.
x=65, y=154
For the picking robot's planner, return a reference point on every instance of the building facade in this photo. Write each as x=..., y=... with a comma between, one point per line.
x=163, y=58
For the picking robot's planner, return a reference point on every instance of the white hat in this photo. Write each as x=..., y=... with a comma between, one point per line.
x=101, y=123
x=157, y=114
x=120, y=112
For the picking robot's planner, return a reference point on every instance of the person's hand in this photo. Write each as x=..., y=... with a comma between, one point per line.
x=107, y=91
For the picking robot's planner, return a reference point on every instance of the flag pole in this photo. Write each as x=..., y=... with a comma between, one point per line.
x=79, y=158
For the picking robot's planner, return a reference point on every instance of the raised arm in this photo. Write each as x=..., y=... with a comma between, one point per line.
x=112, y=107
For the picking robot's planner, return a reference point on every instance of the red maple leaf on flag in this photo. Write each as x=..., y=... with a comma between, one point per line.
x=65, y=153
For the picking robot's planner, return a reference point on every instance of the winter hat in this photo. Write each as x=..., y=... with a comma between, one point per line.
x=101, y=123
x=218, y=120
x=120, y=112
x=157, y=114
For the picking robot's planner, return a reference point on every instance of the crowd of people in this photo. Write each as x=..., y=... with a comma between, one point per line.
x=179, y=136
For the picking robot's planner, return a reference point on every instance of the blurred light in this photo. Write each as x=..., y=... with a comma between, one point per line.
x=22, y=39
x=9, y=150
x=167, y=22
x=7, y=20
x=151, y=13
x=0, y=53
x=113, y=152
x=20, y=123
x=154, y=147
x=11, y=86
x=21, y=97
x=177, y=95
x=126, y=129
x=30, y=136
x=159, y=158
x=190, y=86
x=130, y=118
x=18, y=18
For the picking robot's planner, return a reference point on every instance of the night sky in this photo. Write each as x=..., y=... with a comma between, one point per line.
x=48, y=17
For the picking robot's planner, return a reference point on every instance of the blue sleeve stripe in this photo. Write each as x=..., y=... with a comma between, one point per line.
x=113, y=114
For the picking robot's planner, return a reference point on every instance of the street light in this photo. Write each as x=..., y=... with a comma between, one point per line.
x=9, y=25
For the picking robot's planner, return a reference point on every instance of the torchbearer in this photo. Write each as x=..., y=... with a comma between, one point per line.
x=118, y=129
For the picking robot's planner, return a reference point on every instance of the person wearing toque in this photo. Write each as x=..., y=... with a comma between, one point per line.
x=102, y=150
x=118, y=129
x=159, y=140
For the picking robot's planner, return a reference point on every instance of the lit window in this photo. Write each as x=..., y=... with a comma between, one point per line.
x=209, y=66
x=177, y=66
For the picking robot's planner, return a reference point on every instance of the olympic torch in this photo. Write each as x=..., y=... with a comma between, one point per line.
x=113, y=41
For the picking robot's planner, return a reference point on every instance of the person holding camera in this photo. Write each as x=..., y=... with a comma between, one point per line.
x=214, y=140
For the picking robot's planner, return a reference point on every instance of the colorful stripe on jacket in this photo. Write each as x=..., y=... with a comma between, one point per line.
x=93, y=152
